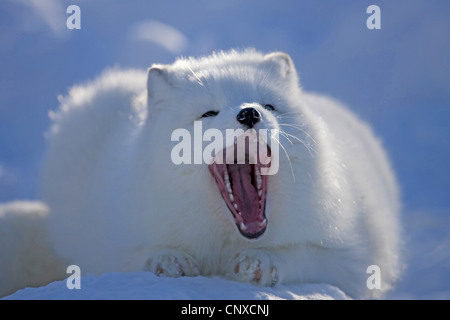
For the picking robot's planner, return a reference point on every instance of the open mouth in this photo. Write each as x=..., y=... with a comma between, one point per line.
x=242, y=185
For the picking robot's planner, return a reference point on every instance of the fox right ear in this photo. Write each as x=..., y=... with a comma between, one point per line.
x=157, y=81
x=283, y=61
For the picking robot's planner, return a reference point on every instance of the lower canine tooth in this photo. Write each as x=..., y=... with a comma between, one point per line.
x=243, y=226
x=262, y=222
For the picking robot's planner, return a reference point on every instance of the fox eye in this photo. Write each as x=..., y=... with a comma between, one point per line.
x=211, y=113
x=269, y=107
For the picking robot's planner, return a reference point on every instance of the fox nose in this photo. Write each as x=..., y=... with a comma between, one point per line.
x=249, y=117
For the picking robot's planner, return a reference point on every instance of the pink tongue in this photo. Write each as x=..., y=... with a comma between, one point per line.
x=245, y=193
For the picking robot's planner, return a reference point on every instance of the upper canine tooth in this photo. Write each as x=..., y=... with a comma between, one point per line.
x=258, y=178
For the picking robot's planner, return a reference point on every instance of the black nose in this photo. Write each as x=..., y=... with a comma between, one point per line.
x=249, y=117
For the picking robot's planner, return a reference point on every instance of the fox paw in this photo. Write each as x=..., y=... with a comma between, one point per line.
x=172, y=263
x=255, y=267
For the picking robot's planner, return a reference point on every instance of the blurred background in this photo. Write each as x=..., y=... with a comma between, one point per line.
x=396, y=78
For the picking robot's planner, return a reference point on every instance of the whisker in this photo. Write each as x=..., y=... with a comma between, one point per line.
x=266, y=76
x=287, y=156
x=286, y=135
x=198, y=80
x=298, y=127
x=295, y=126
x=290, y=112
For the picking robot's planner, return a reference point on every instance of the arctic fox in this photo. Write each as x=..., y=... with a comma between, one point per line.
x=119, y=202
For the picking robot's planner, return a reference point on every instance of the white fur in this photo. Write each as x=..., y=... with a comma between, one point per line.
x=118, y=203
x=26, y=256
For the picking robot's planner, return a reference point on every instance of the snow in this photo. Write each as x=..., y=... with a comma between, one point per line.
x=145, y=285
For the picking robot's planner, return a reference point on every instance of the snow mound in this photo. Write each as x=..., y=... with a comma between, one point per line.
x=145, y=285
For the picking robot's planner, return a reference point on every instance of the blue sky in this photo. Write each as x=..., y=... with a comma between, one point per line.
x=396, y=78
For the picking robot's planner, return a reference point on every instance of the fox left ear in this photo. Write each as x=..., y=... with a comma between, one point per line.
x=157, y=81
x=283, y=61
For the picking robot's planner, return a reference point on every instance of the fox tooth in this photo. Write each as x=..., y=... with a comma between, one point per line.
x=262, y=223
x=259, y=193
x=231, y=197
x=235, y=206
x=226, y=178
x=258, y=178
x=243, y=226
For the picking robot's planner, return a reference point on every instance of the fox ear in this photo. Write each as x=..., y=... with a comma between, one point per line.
x=157, y=81
x=283, y=61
